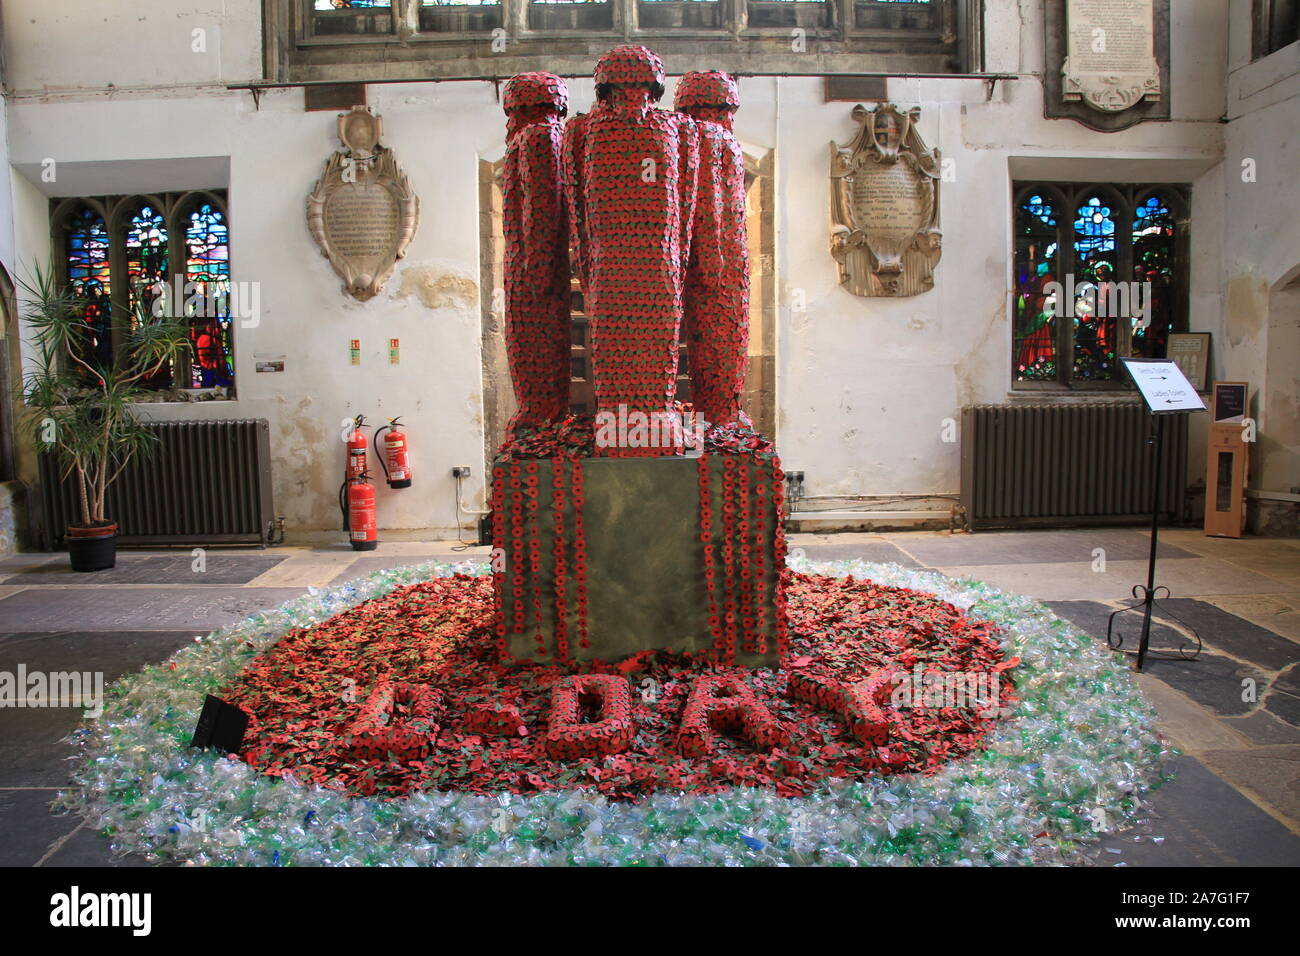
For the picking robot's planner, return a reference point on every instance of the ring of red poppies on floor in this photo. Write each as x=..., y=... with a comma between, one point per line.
x=408, y=692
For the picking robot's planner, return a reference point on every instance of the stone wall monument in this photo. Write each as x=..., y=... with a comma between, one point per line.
x=362, y=213
x=885, y=205
x=1110, y=62
x=1106, y=62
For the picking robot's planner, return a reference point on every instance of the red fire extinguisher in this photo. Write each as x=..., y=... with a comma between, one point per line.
x=357, y=502
x=395, y=459
x=356, y=465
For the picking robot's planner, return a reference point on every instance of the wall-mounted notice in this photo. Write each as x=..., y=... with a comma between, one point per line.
x=354, y=351
x=394, y=351
x=1191, y=352
x=1163, y=385
x=268, y=363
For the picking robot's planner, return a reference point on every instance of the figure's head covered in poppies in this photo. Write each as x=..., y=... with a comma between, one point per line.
x=626, y=66
x=706, y=89
x=528, y=90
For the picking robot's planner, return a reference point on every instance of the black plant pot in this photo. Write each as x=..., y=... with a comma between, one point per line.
x=93, y=548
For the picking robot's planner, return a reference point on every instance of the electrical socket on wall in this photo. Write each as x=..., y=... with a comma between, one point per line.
x=460, y=471
x=795, y=480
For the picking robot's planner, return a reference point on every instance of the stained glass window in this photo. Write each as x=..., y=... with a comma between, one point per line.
x=1037, y=251
x=1153, y=269
x=89, y=280
x=1095, y=325
x=207, y=287
x=147, y=273
x=128, y=258
x=146, y=259
x=351, y=4
x=1097, y=276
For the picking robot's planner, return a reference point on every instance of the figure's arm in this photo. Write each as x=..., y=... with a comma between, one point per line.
x=688, y=180
x=572, y=158
x=544, y=216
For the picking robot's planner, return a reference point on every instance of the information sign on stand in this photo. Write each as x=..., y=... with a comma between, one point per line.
x=1166, y=390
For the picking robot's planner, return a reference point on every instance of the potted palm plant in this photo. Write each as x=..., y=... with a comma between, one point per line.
x=81, y=408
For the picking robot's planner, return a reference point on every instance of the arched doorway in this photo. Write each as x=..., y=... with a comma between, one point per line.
x=1276, y=465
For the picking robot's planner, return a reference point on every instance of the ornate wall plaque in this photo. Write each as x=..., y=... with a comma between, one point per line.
x=362, y=212
x=1110, y=62
x=885, y=205
x=1106, y=62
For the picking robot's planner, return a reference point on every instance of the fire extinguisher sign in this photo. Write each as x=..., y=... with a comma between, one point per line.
x=394, y=351
x=354, y=351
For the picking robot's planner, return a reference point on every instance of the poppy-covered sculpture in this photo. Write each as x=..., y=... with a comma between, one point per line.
x=631, y=170
x=611, y=545
x=716, y=309
x=536, y=249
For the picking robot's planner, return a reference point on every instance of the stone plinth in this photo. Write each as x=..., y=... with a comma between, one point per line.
x=603, y=558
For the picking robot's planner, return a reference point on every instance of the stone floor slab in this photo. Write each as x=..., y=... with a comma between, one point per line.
x=1264, y=728
x=33, y=751
x=1075, y=546
x=361, y=567
x=1215, y=682
x=184, y=568
x=1188, y=725
x=111, y=653
x=1271, y=773
x=85, y=848
x=1279, y=613
x=1065, y=582
x=1092, y=617
x=1203, y=821
x=28, y=827
x=1276, y=558
x=95, y=609
x=305, y=570
x=1232, y=635
x=826, y=548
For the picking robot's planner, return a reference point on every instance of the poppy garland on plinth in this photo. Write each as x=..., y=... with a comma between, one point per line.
x=1071, y=762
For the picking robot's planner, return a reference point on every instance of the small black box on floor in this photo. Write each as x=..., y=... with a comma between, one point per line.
x=221, y=725
x=606, y=557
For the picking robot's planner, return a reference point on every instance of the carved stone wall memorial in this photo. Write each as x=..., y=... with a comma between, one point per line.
x=885, y=205
x=362, y=213
x=1110, y=63
x=1107, y=61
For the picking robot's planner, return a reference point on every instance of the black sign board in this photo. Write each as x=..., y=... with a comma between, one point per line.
x=221, y=725
x=1229, y=402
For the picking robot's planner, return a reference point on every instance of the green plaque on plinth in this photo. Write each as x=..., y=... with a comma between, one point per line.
x=602, y=558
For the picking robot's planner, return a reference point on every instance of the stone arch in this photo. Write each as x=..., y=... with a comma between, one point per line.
x=1276, y=466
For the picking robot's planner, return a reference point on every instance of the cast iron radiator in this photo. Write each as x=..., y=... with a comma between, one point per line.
x=1039, y=465
x=205, y=482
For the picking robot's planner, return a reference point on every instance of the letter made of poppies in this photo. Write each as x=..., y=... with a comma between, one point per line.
x=379, y=730
x=858, y=705
x=726, y=704
x=610, y=697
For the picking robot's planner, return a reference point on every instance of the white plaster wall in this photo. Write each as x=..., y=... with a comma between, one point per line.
x=61, y=44
x=863, y=385
x=1261, y=250
x=275, y=155
x=6, y=198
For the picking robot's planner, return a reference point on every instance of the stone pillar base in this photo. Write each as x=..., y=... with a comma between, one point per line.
x=603, y=558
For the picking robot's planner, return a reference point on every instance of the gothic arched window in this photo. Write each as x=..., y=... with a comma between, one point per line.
x=89, y=276
x=145, y=255
x=207, y=283
x=1100, y=274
